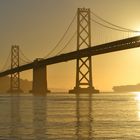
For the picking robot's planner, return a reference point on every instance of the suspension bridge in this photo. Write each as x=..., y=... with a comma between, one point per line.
x=83, y=55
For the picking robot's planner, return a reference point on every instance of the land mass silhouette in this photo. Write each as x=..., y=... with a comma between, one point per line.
x=127, y=88
x=25, y=85
x=5, y=84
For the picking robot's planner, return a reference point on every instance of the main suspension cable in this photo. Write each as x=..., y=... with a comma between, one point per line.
x=120, y=28
x=24, y=61
x=61, y=39
x=67, y=43
x=6, y=62
x=112, y=28
x=26, y=58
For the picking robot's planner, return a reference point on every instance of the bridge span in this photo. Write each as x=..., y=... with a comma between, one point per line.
x=120, y=45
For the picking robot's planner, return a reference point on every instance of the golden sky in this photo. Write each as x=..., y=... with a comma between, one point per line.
x=37, y=25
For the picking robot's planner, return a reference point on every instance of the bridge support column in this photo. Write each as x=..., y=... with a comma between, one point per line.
x=84, y=65
x=39, y=79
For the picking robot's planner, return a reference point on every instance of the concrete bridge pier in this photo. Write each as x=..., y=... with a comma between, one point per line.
x=39, y=79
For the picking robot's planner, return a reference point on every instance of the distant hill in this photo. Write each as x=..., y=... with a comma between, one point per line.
x=127, y=88
x=5, y=84
x=26, y=85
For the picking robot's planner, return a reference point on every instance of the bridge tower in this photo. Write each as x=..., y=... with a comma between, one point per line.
x=15, y=77
x=84, y=65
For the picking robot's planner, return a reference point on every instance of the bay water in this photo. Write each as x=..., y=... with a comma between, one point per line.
x=63, y=116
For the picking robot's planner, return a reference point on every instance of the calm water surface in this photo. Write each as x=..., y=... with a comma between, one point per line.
x=70, y=117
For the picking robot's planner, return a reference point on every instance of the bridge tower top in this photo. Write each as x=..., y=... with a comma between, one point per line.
x=14, y=56
x=83, y=28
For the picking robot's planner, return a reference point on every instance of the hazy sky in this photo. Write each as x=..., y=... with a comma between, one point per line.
x=37, y=25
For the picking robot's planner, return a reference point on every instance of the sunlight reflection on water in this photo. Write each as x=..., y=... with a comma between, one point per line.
x=137, y=98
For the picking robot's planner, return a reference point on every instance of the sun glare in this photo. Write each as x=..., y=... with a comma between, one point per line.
x=137, y=99
x=137, y=33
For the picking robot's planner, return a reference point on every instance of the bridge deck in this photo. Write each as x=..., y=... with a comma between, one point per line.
x=119, y=45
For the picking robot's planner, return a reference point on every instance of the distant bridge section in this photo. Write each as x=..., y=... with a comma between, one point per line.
x=119, y=45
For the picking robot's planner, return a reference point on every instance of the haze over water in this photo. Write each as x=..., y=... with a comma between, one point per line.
x=70, y=117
